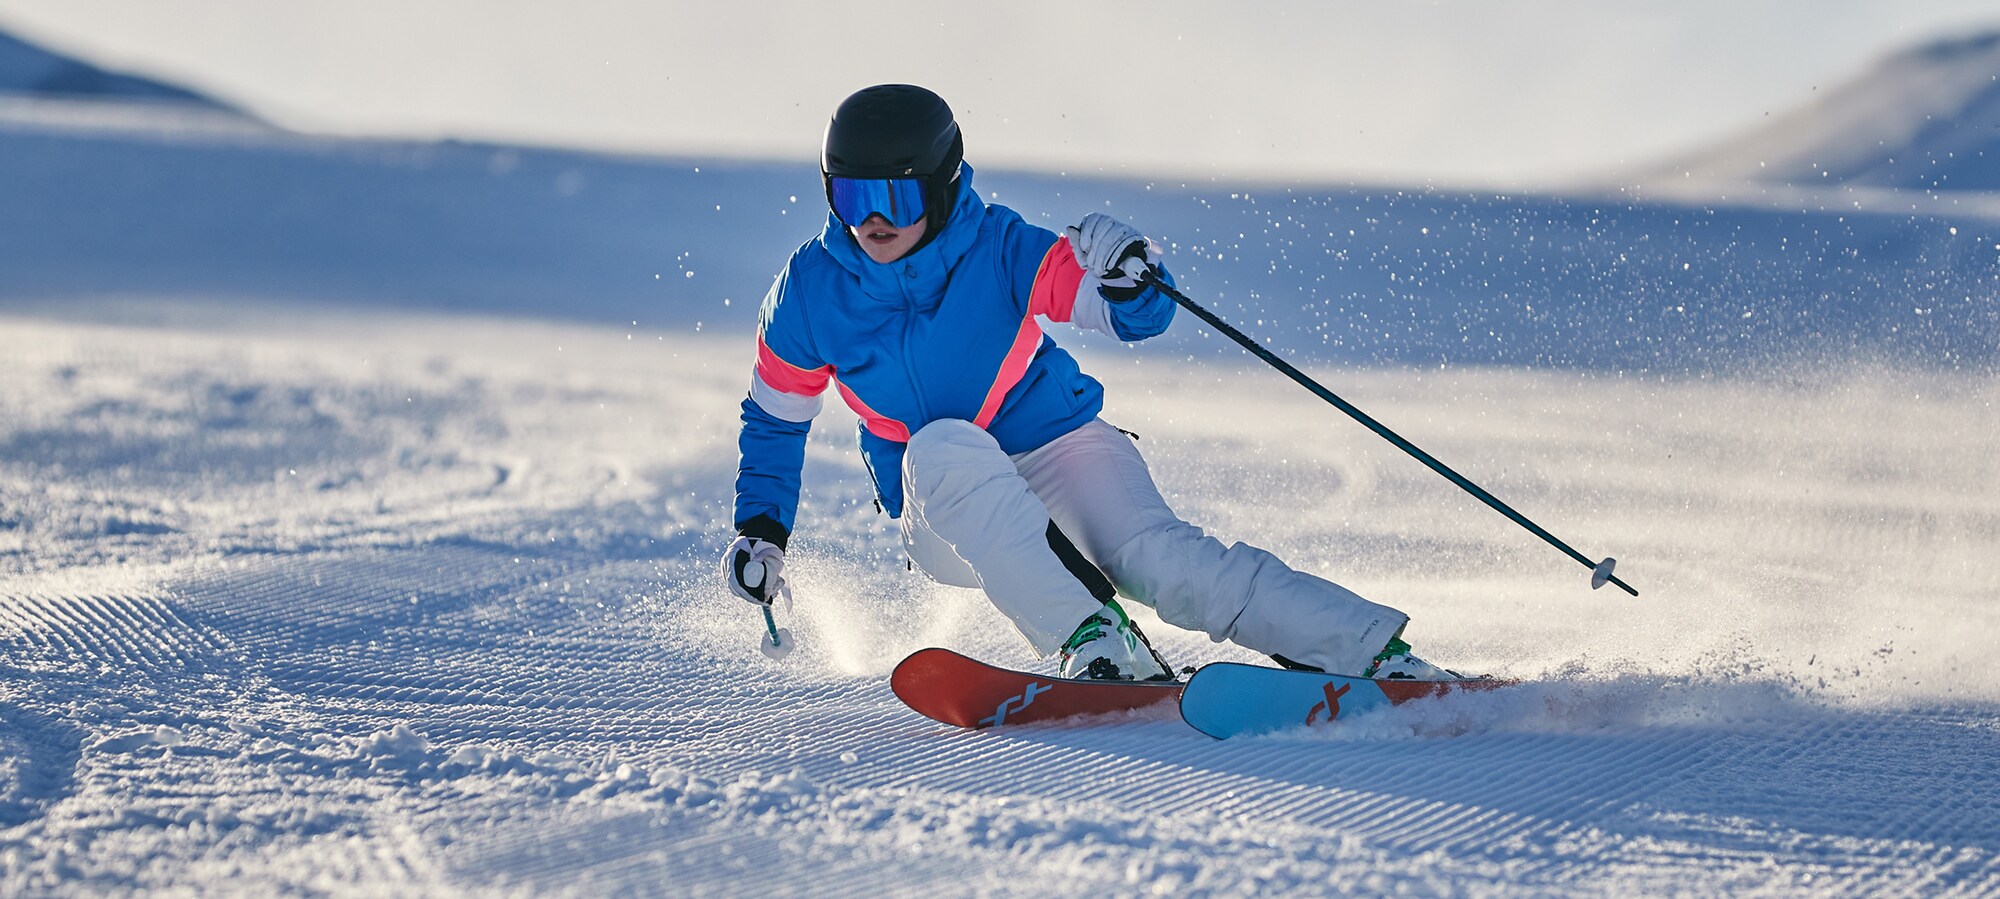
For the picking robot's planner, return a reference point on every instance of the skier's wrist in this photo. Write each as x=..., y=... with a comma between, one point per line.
x=1115, y=294
x=765, y=528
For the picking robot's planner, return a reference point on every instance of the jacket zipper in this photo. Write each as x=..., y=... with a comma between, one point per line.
x=909, y=365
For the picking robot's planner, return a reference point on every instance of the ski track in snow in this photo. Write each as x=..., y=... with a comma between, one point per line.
x=425, y=605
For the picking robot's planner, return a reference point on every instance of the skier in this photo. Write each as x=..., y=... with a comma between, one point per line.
x=919, y=303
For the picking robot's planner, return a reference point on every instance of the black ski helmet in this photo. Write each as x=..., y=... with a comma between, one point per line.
x=896, y=131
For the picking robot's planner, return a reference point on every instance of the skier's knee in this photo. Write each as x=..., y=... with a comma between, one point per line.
x=945, y=443
x=947, y=434
x=950, y=452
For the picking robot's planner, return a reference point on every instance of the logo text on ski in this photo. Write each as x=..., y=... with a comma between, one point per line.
x=1331, y=706
x=1016, y=703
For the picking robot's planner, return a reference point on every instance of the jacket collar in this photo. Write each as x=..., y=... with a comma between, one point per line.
x=917, y=280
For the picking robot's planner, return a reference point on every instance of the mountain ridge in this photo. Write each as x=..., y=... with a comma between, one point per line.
x=1926, y=117
x=27, y=68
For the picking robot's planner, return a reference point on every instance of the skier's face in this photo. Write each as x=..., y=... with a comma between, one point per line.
x=883, y=242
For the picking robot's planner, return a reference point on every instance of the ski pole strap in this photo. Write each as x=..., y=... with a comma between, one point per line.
x=1406, y=446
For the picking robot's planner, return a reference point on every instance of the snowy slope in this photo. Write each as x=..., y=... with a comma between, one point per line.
x=358, y=505
x=1925, y=118
x=1349, y=274
x=425, y=605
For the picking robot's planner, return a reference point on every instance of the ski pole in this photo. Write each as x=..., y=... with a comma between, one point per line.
x=1600, y=571
x=771, y=633
x=777, y=642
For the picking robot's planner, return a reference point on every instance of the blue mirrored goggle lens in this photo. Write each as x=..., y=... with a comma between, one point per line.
x=900, y=200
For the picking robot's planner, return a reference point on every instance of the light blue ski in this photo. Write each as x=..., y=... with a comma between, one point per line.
x=1228, y=699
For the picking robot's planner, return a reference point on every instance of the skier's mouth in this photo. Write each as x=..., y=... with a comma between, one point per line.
x=878, y=229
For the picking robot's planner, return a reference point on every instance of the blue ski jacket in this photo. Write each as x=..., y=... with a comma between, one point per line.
x=948, y=331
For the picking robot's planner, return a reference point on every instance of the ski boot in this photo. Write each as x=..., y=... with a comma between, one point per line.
x=1395, y=662
x=1108, y=646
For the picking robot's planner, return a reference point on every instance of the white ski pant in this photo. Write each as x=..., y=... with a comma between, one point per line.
x=975, y=517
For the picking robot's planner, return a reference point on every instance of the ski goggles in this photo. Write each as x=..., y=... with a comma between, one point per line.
x=900, y=200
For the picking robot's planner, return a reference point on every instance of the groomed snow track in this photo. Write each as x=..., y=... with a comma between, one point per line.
x=441, y=716
x=465, y=639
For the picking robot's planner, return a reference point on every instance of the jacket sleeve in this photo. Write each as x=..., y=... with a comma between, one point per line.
x=786, y=384
x=1062, y=291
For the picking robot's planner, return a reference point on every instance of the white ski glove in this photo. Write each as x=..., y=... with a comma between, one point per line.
x=1114, y=253
x=755, y=571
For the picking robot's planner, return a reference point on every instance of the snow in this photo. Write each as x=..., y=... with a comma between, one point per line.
x=359, y=505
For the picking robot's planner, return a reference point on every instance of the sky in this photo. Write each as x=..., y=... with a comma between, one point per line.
x=1469, y=92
